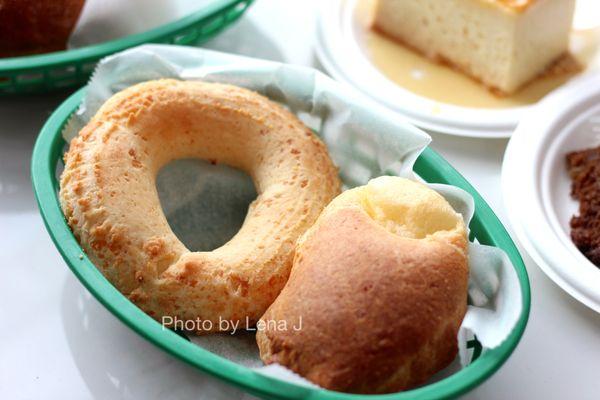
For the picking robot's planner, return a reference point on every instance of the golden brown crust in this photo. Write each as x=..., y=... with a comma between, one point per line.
x=379, y=312
x=36, y=26
x=515, y=5
x=109, y=197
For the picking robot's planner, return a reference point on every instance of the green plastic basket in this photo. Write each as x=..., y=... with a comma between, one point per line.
x=72, y=68
x=485, y=226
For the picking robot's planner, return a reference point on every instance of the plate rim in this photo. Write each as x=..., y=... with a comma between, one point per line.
x=512, y=170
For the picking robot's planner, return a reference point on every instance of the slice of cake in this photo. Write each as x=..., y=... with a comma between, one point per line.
x=502, y=43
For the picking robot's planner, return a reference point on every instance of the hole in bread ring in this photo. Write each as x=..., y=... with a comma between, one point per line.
x=109, y=197
x=213, y=206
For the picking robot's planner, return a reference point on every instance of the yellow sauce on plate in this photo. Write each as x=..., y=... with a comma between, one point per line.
x=423, y=77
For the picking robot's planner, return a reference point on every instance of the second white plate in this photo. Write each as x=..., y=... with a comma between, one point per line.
x=536, y=185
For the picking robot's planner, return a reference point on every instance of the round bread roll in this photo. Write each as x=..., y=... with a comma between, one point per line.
x=377, y=292
x=109, y=198
x=36, y=26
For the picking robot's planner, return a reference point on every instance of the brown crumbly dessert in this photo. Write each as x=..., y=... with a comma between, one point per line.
x=584, y=169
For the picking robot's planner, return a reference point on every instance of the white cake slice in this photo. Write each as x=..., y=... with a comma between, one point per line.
x=502, y=43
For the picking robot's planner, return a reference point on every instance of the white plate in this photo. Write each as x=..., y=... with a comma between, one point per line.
x=536, y=185
x=339, y=49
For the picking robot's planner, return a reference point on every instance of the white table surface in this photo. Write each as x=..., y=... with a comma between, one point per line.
x=57, y=342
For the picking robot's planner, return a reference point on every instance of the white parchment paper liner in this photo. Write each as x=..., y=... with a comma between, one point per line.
x=364, y=139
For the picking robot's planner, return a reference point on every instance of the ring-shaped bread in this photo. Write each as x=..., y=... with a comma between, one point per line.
x=109, y=197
